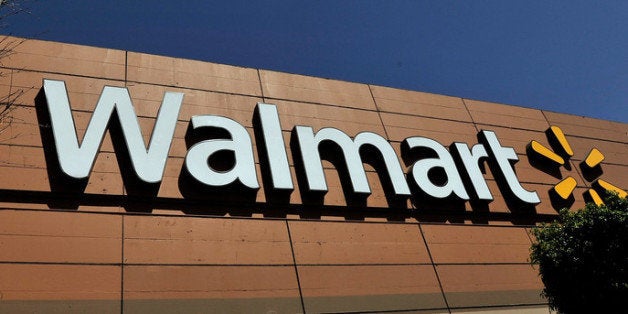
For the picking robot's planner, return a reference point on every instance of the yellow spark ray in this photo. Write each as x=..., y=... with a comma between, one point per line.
x=562, y=140
x=594, y=158
x=546, y=152
x=565, y=187
x=609, y=187
x=595, y=197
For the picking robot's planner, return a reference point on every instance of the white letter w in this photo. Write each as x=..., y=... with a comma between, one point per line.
x=77, y=160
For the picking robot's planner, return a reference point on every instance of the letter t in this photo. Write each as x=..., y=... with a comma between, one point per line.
x=502, y=156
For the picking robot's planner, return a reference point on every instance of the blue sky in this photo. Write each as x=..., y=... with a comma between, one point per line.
x=564, y=56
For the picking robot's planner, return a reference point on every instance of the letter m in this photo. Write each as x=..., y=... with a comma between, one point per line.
x=76, y=160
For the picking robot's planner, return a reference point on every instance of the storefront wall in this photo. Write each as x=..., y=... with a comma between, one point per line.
x=109, y=248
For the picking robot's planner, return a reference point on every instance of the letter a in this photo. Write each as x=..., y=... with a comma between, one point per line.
x=421, y=168
x=240, y=144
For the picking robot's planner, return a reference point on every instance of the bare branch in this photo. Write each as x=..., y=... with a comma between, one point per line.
x=8, y=44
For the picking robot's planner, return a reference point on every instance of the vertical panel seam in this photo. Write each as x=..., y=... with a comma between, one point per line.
x=429, y=253
x=261, y=87
x=379, y=113
x=126, y=66
x=296, y=269
x=122, y=269
x=545, y=117
x=464, y=103
x=126, y=71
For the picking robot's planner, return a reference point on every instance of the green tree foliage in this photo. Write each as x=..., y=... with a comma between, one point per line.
x=583, y=258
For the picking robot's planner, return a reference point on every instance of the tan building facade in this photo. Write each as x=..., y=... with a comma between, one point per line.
x=111, y=243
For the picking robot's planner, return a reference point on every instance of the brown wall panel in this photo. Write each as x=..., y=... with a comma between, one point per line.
x=515, y=138
x=369, y=288
x=159, y=70
x=21, y=134
x=615, y=175
x=489, y=113
x=56, y=57
x=105, y=183
x=399, y=127
x=614, y=152
x=476, y=244
x=357, y=243
x=55, y=223
x=195, y=102
x=24, y=179
x=22, y=156
x=39, y=236
x=490, y=285
x=213, y=288
x=587, y=127
x=420, y=104
x=23, y=115
x=5, y=81
x=621, y=127
x=350, y=121
x=280, y=85
x=184, y=240
x=83, y=92
x=191, y=282
x=22, y=129
x=59, y=282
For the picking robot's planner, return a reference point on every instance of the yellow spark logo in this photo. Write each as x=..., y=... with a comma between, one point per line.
x=559, y=157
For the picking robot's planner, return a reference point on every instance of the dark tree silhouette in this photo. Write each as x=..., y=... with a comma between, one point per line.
x=583, y=258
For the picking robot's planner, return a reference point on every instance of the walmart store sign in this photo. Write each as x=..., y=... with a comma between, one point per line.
x=434, y=171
